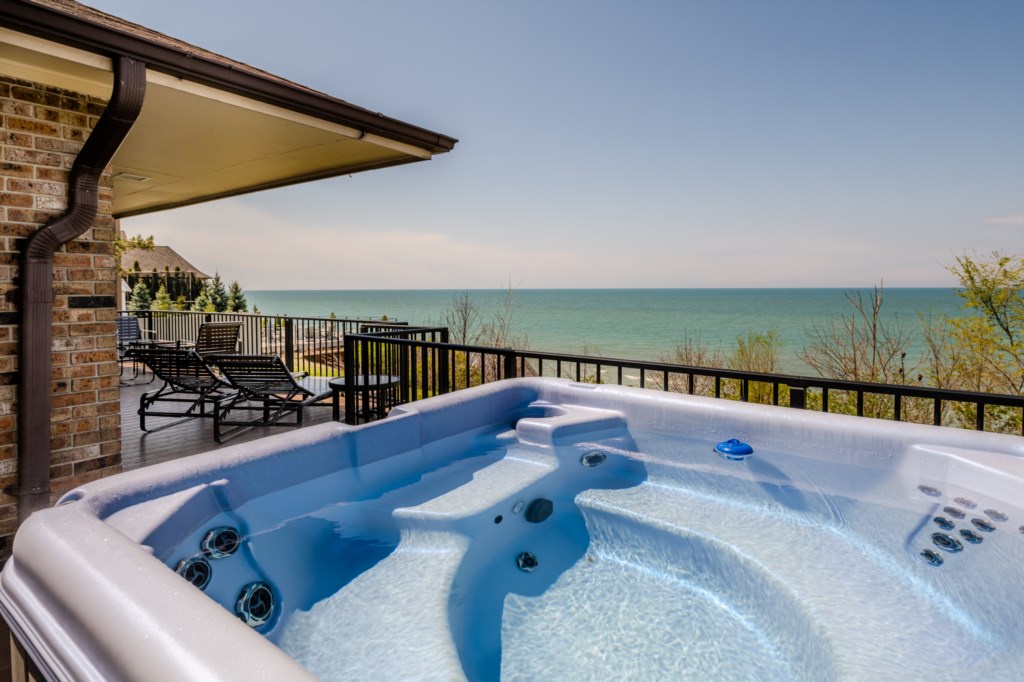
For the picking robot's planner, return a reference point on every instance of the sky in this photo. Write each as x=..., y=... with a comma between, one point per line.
x=684, y=143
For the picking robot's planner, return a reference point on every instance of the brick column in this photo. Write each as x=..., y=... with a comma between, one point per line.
x=42, y=130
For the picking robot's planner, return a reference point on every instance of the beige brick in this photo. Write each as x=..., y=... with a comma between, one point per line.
x=53, y=144
x=107, y=394
x=16, y=200
x=69, y=399
x=35, y=95
x=16, y=139
x=61, y=471
x=31, y=125
x=71, y=260
x=17, y=108
x=53, y=174
x=36, y=217
x=33, y=156
x=9, y=169
x=90, y=384
x=35, y=186
x=72, y=118
x=87, y=438
x=51, y=203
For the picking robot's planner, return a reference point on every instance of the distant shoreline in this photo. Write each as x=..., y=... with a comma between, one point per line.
x=635, y=324
x=603, y=289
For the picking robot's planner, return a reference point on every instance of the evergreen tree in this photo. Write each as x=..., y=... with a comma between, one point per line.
x=217, y=293
x=181, y=303
x=236, y=302
x=141, y=298
x=203, y=303
x=162, y=300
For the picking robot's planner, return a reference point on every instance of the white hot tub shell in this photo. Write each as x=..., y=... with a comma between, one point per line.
x=91, y=592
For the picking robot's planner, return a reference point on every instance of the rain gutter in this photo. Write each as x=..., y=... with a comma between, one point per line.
x=34, y=383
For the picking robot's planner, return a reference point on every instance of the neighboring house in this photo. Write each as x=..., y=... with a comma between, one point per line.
x=159, y=259
x=143, y=122
x=160, y=265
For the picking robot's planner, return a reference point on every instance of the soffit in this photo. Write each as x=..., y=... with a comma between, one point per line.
x=194, y=143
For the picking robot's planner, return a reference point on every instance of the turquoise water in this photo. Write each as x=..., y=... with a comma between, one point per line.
x=636, y=324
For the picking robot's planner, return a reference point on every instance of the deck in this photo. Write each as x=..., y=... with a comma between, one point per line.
x=140, y=449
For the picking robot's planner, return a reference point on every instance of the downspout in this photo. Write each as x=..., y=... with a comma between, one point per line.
x=34, y=383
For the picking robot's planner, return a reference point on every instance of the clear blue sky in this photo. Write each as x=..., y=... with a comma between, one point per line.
x=630, y=144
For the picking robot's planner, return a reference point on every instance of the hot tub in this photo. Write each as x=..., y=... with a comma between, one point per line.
x=541, y=529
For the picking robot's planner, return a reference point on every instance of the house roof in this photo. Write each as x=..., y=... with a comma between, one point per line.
x=158, y=258
x=210, y=126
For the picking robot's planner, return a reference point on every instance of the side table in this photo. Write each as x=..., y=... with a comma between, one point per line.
x=370, y=388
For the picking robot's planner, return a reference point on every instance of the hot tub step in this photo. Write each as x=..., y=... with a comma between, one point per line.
x=572, y=425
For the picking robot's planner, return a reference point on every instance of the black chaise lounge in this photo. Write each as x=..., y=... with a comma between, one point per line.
x=217, y=338
x=188, y=381
x=264, y=383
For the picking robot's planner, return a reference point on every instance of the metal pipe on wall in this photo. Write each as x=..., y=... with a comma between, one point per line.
x=34, y=384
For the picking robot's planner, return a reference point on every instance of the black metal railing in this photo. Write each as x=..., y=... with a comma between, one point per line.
x=306, y=344
x=427, y=366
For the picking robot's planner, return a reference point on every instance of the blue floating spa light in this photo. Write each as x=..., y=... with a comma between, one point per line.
x=733, y=449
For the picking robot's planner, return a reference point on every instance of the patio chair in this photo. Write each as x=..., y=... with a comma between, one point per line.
x=188, y=380
x=129, y=339
x=265, y=384
x=218, y=338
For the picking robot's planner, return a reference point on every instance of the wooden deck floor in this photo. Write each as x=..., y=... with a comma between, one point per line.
x=140, y=449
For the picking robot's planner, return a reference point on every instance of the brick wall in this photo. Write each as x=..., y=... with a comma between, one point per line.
x=42, y=130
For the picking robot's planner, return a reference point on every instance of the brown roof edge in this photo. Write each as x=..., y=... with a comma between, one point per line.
x=77, y=31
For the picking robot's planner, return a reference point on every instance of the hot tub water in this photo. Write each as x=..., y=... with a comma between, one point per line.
x=652, y=553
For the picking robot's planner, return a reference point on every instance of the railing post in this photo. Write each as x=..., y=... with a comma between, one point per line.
x=442, y=368
x=797, y=397
x=350, y=380
x=509, y=358
x=404, y=388
x=289, y=345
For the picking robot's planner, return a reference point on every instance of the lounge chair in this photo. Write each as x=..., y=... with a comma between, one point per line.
x=187, y=380
x=218, y=338
x=265, y=384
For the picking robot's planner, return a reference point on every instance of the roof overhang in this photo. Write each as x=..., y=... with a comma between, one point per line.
x=206, y=130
